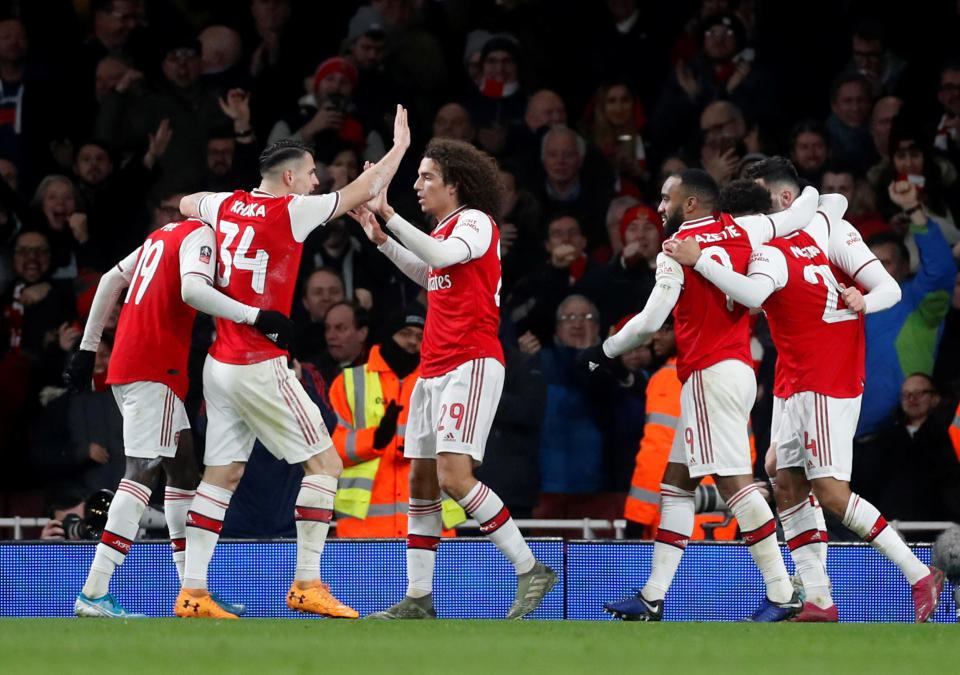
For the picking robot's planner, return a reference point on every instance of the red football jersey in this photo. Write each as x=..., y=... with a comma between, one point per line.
x=709, y=326
x=155, y=326
x=463, y=300
x=259, y=243
x=820, y=343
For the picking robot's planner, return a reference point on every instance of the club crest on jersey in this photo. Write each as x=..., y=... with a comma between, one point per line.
x=205, y=253
x=250, y=210
x=439, y=282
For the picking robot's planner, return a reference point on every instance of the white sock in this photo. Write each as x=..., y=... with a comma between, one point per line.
x=757, y=528
x=676, y=526
x=821, y=546
x=424, y=525
x=487, y=508
x=802, y=535
x=863, y=518
x=123, y=522
x=176, y=503
x=204, y=522
x=313, y=513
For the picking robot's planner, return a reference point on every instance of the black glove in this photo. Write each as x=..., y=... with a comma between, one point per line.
x=78, y=373
x=595, y=362
x=276, y=327
x=388, y=426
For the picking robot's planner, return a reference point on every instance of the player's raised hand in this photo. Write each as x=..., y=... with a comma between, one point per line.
x=78, y=373
x=369, y=223
x=276, y=327
x=686, y=251
x=401, y=131
x=378, y=204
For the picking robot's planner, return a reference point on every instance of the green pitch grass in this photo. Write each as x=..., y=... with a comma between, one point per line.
x=267, y=646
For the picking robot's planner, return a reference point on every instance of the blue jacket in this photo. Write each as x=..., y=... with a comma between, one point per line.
x=903, y=339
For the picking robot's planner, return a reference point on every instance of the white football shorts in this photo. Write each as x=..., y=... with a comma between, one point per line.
x=259, y=400
x=712, y=432
x=153, y=417
x=453, y=412
x=815, y=432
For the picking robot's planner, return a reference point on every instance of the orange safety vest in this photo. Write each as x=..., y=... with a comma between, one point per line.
x=954, y=432
x=390, y=491
x=663, y=413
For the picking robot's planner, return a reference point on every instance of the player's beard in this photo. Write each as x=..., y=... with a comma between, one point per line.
x=672, y=223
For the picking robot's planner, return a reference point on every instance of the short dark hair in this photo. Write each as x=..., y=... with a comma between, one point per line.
x=950, y=65
x=773, y=170
x=931, y=383
x=836, y=166
x=744, y=197
x=700, y=184
x=808, y=127
x=870, y=29
x=323, y=268
x=282, y=152
x=847, y=77
x=361, y=317
x=885, y=238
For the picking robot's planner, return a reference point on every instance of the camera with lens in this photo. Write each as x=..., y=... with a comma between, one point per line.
x=91, y=525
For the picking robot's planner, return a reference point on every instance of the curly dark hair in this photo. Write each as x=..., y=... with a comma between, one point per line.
x=744, y=197
x=474, y=172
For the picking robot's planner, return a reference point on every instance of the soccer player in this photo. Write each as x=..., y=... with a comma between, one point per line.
x=716, y=368
x=461, y=376
x=170, y=277
x=249, y=391
x=805, y=284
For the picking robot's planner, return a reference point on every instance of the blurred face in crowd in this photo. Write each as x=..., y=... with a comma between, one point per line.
x=618, y=105
x=545, y=109
x=578, y=325
x=436, y=198
x=499, y=66
x=9, y=173
x=719, y=43
x=840, y=183
x=565, y=230
x=181, y=66
x=949, y=93
x=880, y=121
x=13, y=41
x=344, y=168
x=671, y=165
x=622, y=9
x=344, y=340
x=889, y=256
x=220, y=155
x=367, y=51
x=324, y=289
x=509, y=193
x=561, y=157
x=409, y=338
x=644, y=233
x=167, y=211
x=868, y=56
x=114, y=26
x=92, y=164
x=722, y=126
x=270, y=15
x=58, y=203
x=394, y=12
x=664, y=342
x=453, y=121
x=918, y=398
x=809, y=151
x=334, y=83
x=908, y=158
x=109, y=73
x=852, y=103
x=31, y=257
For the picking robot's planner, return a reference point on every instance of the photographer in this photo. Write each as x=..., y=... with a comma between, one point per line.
x=74, y=515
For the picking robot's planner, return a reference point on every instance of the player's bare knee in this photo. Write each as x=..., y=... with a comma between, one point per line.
x=832, y=494
x=326, y=463
x=678, y=475
x=228, y=476
x=423, y=479
x=142, y=470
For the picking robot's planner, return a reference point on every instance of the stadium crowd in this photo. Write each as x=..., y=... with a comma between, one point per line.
x=111, y=111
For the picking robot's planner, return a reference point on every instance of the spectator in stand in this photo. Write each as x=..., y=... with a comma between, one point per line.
x=322, y=289
x=911, y=471
x=499, y=101
x=365, y=47
x=884, y=110
x=231, y=156
x=947, y=139
x=861, y=210
x=808, y=150
x=873, y=59
x=533, y=303
x=347, y=329
x=453, y=121
x=221, y=58
x=615, y=210
x=614, y=121
x=65, y=227
x=511, y=464
x=566, y=186
x=545, y=109
x=904, y=339
x=724, y=132
x=520, y=237
x=851, y=141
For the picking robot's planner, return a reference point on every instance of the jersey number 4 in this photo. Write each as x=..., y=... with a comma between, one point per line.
x=257, y=263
